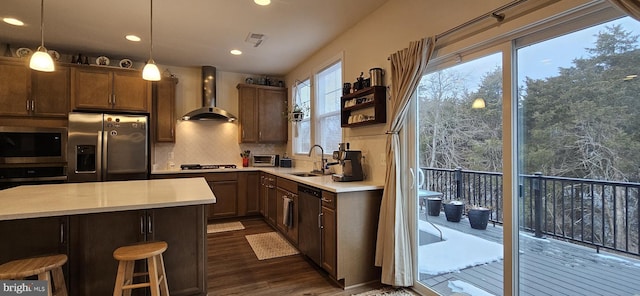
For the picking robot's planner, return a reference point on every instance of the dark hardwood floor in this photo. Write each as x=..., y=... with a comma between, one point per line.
x=233, y=269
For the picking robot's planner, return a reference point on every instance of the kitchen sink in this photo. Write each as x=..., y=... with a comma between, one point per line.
x=305, y=174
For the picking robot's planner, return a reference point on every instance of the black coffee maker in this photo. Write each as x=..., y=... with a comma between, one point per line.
x=351, y=163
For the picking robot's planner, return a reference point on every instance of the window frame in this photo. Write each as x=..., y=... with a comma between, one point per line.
x=314, y=128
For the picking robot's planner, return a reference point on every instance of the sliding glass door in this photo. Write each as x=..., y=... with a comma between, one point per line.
x=541, y=130
x=459, y=165
x=579, y=159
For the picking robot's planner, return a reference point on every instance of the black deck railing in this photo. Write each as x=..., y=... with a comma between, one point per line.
x=601, y=214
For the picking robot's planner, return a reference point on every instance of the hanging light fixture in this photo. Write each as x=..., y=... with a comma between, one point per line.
x=41, y=60
x=478, y=103
x=150, y=71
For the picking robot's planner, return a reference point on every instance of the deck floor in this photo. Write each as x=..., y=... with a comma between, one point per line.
x=547, y=267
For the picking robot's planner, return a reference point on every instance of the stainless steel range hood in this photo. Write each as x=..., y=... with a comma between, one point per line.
x=209, y=111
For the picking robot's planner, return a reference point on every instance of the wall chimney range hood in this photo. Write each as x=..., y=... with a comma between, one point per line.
x=209, y=111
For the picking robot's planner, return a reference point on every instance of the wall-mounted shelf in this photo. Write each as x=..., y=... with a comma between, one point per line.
x=364, y=107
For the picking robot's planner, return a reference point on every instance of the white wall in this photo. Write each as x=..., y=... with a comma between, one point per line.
x=368, y=45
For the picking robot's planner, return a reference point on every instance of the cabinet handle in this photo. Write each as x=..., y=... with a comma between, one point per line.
x=62, y=232
x=114, y=99
x=243, y=133
x=327, y=200
x=172, y=132
x=33, y=105
x=320, y=220
x=27, y=106
x=260, y=135
x=141, y=224
x=149, y=224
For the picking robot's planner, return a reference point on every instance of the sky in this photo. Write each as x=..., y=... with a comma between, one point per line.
x=543, y=60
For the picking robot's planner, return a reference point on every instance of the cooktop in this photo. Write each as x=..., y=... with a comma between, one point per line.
x=206, y=166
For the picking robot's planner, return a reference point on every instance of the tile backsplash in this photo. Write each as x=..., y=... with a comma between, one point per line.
x=206, y=142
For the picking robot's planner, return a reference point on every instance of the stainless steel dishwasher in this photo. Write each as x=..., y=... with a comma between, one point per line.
x=309, y=223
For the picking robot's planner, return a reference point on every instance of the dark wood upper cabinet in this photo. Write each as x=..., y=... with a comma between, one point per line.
x=164, y=108
x=104, y=89
x=262, y=113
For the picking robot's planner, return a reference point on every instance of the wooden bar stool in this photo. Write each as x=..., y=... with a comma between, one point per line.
x=45, y=267
x=127, y=255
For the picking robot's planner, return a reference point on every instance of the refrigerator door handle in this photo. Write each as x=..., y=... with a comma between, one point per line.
x=105, y=155
x=99, y=158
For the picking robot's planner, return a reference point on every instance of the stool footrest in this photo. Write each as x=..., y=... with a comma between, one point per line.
x=135, y=286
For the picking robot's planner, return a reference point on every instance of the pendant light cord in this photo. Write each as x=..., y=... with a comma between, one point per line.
x=42, y=23
x=150, y=31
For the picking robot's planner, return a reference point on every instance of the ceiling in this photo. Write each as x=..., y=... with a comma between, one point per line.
x=186, y=33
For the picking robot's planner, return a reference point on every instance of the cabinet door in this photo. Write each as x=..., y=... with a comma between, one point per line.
x=15, y=78
x=33, y=237
x=248, y=193
x=91, y=88
x=93, y=238
x=281, y=195
x=248, y=118
x=50, y=92
x=226, y=193
x=272, y=122
x=329, y=241
x=130, y=91
x=183, y=228
x=164, y=94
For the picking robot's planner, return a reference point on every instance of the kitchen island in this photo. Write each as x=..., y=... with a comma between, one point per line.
x=88, y=221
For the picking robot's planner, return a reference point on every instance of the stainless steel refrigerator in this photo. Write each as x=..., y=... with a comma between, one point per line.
x=107, y=147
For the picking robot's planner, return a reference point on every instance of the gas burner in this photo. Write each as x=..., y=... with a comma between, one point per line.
x=207, y=166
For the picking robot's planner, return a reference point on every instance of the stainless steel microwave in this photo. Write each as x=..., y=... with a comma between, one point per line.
x=33, y=144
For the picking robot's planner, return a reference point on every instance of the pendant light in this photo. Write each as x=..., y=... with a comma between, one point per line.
x=150, y=71
x=478, y=103
x=41, y=60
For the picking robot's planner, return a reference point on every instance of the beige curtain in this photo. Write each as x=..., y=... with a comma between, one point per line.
x=393, y=247
x=630, y=7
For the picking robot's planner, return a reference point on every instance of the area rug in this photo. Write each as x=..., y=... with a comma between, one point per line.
x=221, y=227
x=387, y=291
x=270, y=245
x=457, y=251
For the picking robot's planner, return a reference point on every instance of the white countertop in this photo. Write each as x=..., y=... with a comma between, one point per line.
x=322, y=182
x=33, y=201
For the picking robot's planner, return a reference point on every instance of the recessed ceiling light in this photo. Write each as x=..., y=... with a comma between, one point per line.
x=133, y=38
x=13, y=21
x=236, y=52
x=262, y=2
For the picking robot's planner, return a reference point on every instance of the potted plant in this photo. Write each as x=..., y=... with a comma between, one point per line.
x=245, y=157
x=298, y=113
x=453, y=210
x=479, y=217
x=434, y=204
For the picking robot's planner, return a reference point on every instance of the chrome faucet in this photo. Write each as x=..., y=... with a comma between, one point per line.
x=322, y=160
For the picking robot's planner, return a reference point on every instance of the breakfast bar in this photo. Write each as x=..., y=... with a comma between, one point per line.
x=88, y=221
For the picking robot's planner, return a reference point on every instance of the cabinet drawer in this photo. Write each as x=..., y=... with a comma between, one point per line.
x=215, y=177
x=329, y=199
x=287, y=184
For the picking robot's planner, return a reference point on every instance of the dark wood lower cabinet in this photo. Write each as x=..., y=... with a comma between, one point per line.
x=184, y=230
x=94, y=237
x=33, y=237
